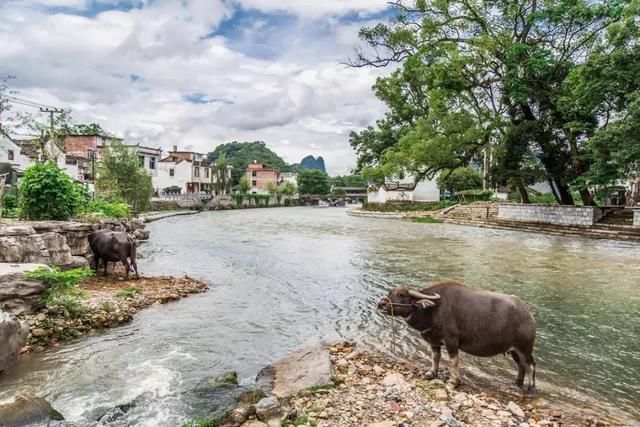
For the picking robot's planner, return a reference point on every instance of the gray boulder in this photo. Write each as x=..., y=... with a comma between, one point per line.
x=13, y=336
x=298, y=371
x=18, y=294
x=26, y=411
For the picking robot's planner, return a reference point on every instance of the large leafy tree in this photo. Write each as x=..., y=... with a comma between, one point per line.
x=313, y=181
x=493, y=77
x=120, y=177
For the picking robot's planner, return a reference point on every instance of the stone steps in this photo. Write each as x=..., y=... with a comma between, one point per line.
x=617, y=233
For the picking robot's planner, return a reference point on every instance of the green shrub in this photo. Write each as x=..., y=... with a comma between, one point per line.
x=128, y=292
x=407, y=207
x=48, y=193
x=61, y=283
x=239, y=198
x=474, y=195
x=110, y=209
x=428, y=220
x=9, y=201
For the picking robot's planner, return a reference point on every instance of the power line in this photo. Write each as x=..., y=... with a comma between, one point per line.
x=29, y=103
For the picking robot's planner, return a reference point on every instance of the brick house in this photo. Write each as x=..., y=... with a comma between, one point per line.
x=259, y=176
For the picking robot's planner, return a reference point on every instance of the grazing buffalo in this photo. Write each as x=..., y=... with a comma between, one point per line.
x=113, y=246
x=478, y=322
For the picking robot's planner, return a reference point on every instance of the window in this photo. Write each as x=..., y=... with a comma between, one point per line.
x=206, y=172
x=254, y=173
x=10, y=155
x=196, y=171
x=152, y=162
x=253, y=183
x=141, y=161
x=172, y=172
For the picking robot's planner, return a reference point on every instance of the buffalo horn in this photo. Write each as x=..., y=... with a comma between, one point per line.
x=418, y=295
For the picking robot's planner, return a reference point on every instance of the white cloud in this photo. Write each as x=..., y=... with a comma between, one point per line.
x=131, y=70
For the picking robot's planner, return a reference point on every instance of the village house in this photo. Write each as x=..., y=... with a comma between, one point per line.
x=260, y=176
x=404, y=190
x=23, y=152
x=290, y=177
x=187, y=170
x=148, y=157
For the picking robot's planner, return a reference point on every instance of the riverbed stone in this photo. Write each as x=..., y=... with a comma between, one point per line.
x=514, y=409
x=254, y=423
x=13, y=336
x=19, y=295
x=298, y=371
x=268, y=408
x=28, y=410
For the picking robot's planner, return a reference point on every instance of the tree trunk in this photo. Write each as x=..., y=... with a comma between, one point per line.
x=553, y=190
x=524, y=195
x=565, y=195
x=587, y=198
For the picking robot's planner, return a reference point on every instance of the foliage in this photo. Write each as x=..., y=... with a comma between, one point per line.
x=121, y=177
x=239, y=198
x=460, y=179
x=109, y=209
x=288, y=189
x=338, y=192
x=473, y=195
x=62, y=286
x=427, y=220
x=87, y=129
x=313, y=182
x=546, y=89
x=543, y=199
x=221, y=180
x=272, y=189
x=48, y=193
x=244, y=186
x=348, y=181
x=406, y=207
x=240, y=154
x=128, y=292
x=174, y=189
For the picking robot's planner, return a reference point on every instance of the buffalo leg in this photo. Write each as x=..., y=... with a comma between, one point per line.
x=531, y=371
x=106, y=263
x=435, y=363
x=134, y=265
x=521, y=368
x=454, y=363
x=125, y=262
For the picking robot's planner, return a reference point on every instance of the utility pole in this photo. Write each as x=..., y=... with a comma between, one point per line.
x=51, y=111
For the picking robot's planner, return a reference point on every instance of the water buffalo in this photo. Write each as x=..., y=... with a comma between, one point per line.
x=478, y=322
x=113, y=246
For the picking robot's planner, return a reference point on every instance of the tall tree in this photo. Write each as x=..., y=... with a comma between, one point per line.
x=489, y=70
x=313, y=181
x=120, y=176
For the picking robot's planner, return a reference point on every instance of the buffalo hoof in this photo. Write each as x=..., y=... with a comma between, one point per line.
x=454, y=383
x=531, y=390
x=429, y=375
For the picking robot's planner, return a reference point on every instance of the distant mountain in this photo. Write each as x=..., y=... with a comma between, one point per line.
x=311, y=162
x=240, y=154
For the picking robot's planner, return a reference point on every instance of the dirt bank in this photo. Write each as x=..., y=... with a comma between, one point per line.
x=108, y=302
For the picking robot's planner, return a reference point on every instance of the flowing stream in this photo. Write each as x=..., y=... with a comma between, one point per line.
x=285, y=277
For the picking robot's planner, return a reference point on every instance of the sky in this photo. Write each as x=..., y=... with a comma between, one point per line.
x=198, y=73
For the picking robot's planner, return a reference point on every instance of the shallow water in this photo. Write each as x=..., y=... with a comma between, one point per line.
x=281, y=278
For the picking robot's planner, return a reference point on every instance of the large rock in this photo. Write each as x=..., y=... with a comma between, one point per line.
x=27, y=411
x=13, y=336
x=18, y=294
x=297, y=371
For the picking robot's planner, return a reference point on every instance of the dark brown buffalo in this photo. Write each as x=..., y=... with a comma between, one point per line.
x=113, y=246
x=477, y=322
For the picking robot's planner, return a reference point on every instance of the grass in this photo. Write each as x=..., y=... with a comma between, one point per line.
x=211, y=421
x=427, y=220
x=302, y=420
x=407, y=207
x=128, y=292
x=335, y=382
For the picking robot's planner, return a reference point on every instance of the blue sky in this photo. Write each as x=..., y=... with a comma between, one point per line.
x=197, y=73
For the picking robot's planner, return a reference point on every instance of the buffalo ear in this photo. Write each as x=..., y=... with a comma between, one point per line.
x=424, y=303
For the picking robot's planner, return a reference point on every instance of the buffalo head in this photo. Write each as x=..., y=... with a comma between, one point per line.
x=402, y=301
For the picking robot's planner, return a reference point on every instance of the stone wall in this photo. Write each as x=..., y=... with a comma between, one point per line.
x=636, y=217
x=550, y=214
x=58, y=243
x=473, y=212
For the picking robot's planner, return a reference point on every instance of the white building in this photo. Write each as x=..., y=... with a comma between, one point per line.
x=404, y=190
x=289, y=177
x=149, y=158
x=185, y=169
x=11, y=152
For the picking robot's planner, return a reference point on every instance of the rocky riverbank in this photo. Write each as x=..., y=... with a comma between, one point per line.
x=109, y=301
x=374, y=390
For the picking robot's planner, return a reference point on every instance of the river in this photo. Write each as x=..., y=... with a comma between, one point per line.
x=284, y=277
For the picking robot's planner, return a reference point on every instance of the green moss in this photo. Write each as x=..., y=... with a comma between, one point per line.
x=428, y=220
